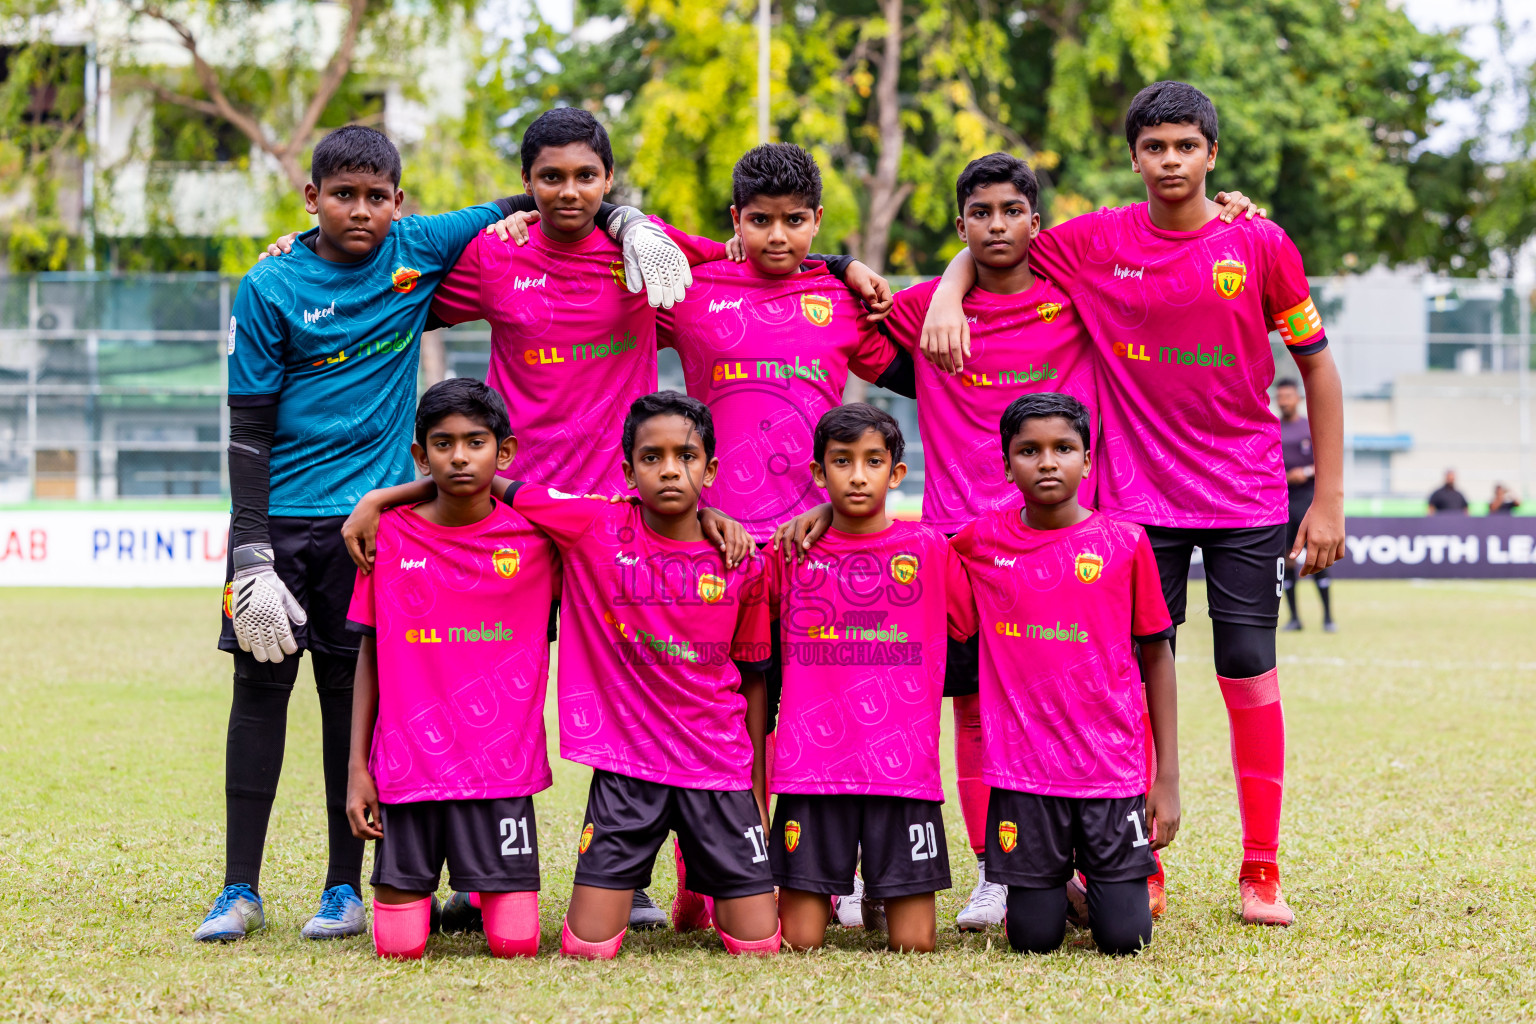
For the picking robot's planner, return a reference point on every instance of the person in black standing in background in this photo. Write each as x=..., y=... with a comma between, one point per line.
x=1296, y=447
x=1448, y=501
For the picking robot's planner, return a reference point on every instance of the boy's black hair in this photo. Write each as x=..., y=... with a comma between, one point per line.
x=776, y=169
x=997, y=169
x=1287, y=382
x=468, y=397
x=1170, y=103
x=1042, y=405
x=562, y=126
x=669, y=403
x=355, y=147
x=848, y=423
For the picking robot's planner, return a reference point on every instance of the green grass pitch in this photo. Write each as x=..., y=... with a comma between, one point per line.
x=1408, y=851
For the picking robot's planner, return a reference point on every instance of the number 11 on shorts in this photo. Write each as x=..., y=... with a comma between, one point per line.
x=1141, y=835
x=754, y=835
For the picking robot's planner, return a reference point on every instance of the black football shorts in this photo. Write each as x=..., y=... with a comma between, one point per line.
x=1244, y=570
x=818, y=839
x=627, y=820
x=488, y=845
x=1036, y=842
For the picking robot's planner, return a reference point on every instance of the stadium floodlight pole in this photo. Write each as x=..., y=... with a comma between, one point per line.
x=764, y=26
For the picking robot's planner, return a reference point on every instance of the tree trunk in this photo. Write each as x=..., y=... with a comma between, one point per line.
x=886, y=193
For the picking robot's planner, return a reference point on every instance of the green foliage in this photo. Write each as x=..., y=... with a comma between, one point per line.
x=1322, y=108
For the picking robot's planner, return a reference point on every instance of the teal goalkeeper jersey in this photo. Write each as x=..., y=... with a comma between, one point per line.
x=336, y=346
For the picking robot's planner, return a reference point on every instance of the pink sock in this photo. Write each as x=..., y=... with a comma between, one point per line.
x=974, y=793
x=511, y=922
x=1258, y=760
x=759, y=947
x=474, y=901
x=570, y=945
x=400, y=929
x=1146, y=730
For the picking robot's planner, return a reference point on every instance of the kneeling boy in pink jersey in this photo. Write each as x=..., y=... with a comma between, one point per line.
x=448, y=709
x=661, y=688
x=1074, y=646
x=863, y=630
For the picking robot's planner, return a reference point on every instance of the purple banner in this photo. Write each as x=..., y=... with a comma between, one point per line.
x=1439, y=547
x=1433, y=547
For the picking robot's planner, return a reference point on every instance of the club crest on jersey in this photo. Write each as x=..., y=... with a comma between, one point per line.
x=1048, y=310
x=904, y=567
x=404, y=279
x=1229, y=276
x=817, y=309
x=229, y=599
x=711, y=588
x=586, y=839
x=616, y=268
x=791, y=835
x=1007, y=835
x=1089, y=566
x=506, y=562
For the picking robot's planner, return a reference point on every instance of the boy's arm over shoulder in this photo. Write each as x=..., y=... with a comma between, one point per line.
x=448, y=233
x=909, y=308
x=752, y=644
x=696, y=248
x=1150, y=620
x=459, y=298
x=1058, y=253
x=564, y=518
x=960, y=599
x=1288, y=296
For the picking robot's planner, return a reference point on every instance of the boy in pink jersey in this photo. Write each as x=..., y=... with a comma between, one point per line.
x=863, y=625
x=1025, y=336
x=768, y=343
x=661, y=691
x=1180, y=304
x=563, y=322
x=448, y=711
x=1074, y=650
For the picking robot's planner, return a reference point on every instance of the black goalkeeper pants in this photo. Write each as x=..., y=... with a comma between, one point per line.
x=258, y=732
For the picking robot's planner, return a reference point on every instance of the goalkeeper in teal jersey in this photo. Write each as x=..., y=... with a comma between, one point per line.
x=323, y=350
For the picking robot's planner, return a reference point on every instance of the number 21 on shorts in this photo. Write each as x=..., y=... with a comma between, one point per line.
x=510, y=829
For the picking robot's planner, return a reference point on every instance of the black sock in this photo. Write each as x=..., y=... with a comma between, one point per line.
x=1119, y=916
x=333, y=679
x=1324, y=585
x=1290, y=590
x=1037, y=918
x=253, y=762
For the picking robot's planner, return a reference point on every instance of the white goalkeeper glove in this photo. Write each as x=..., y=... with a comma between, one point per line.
x=261, y=605
x=651, y=259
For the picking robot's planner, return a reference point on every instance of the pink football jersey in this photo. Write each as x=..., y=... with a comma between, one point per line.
x=1033, y=341
x=1181, y=322
x=571, y=348
x=862, y=622
x=769, y=354
x=461, y=621
x=1059, y=612
x=651, y=630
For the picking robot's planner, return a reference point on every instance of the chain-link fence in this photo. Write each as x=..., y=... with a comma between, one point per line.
x=111, y=387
